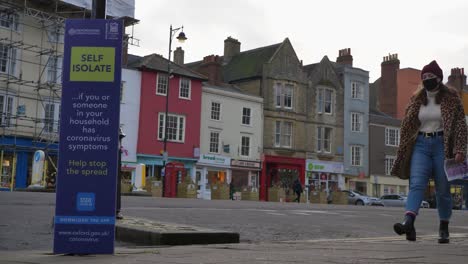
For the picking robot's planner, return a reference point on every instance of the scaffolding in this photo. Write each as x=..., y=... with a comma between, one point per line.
x=31, y=54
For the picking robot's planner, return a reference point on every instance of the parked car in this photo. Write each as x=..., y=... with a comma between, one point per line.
x=396, y=200
x=357, y=198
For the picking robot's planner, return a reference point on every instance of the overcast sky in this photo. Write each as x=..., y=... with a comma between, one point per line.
x=418, y=30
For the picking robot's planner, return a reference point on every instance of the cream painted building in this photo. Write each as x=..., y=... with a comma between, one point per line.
x=231, y=139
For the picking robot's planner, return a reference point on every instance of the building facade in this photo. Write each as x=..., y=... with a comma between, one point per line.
x=184, y=88
x=325, y=127
x=274, y=73
x=356, y=119
x=129, y=116
x=384, y=139
x=30, y=77
x=230, y=140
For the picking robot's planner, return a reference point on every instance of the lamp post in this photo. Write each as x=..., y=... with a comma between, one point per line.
x=181, y=37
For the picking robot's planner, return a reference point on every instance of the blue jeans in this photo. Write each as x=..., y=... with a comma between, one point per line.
x=428, y=160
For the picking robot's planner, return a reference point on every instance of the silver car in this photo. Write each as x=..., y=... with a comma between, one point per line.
x=357, y=198
x=396, y=200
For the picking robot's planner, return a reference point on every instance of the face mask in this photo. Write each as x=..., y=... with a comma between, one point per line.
x=431, y=84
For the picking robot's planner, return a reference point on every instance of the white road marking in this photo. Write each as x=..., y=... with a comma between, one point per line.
x=316, y=212
x=270, y=213
x=299, y=213
x=386, y=215
x=373, y=239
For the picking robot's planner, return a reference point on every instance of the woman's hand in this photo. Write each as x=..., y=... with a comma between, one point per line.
x=460, y=158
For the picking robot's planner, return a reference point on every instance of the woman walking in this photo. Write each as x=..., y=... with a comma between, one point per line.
x=433, y=129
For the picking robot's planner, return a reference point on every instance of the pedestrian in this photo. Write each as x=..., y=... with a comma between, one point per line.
x=433, y=129
x=231, y=190
x=297, y=187
x=330, y=196
x=465, y=195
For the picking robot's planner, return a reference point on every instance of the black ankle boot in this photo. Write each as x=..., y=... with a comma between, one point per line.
x=444, y=232
x=406, y=227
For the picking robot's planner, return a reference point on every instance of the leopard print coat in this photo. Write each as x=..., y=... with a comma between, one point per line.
x=454, y=124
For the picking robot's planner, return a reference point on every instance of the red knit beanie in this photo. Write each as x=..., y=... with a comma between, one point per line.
x=433, y=68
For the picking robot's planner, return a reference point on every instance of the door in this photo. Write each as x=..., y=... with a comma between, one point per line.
x=200, y=183
x=203, y=187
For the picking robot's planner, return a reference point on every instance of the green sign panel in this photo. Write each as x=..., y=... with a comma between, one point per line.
x=92, y=64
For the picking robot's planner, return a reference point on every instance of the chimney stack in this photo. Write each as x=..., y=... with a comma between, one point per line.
x=388, y=85
x=179, y=56
x=211, y=67
x=457, y=79
x=345, y=57
x=231, y=48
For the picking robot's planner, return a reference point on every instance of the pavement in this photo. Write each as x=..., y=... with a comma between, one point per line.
x=269, y=233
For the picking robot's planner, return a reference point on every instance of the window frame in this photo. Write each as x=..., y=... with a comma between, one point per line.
x=212, y=112
x=357, y=91
x=10, y=59
x=218, y=133
x=55, y=123
x=389, y=161
x=6, y=114
x=280, y=134
x=353, y=158
x=54, y=69
x=278, y=90
x=359, y=121
x=288, y=92
x=14, y=21
x=387, y=136
x=321, y=139
x=277, y=133
x=322, y=101
x=283, y=92
x=179, y=133
x=248, y=117
x=159, y=76
x=181, y=80
x=284, y=135
x=249, y=147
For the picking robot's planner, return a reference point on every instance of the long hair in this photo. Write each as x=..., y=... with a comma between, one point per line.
x=443, y=91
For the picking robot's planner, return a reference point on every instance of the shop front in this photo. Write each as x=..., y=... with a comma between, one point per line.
x=245, y=175
x=280, y=172
x=212, y=171
x=16, y=160
x=323, y=176
x=383, y=185
x=154, y=167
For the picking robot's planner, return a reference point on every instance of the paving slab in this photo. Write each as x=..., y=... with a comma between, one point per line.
x=142, y=231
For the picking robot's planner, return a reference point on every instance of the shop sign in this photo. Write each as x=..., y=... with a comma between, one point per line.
x=89, y=137
x=215, y=160
x=246, y=164
x=324, y=166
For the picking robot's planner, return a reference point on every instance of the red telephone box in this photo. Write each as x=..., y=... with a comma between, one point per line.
x=174, y=174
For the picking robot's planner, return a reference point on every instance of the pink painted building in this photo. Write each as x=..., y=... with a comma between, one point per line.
x=184, y=87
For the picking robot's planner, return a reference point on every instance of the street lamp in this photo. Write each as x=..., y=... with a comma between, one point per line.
x=181, y=38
